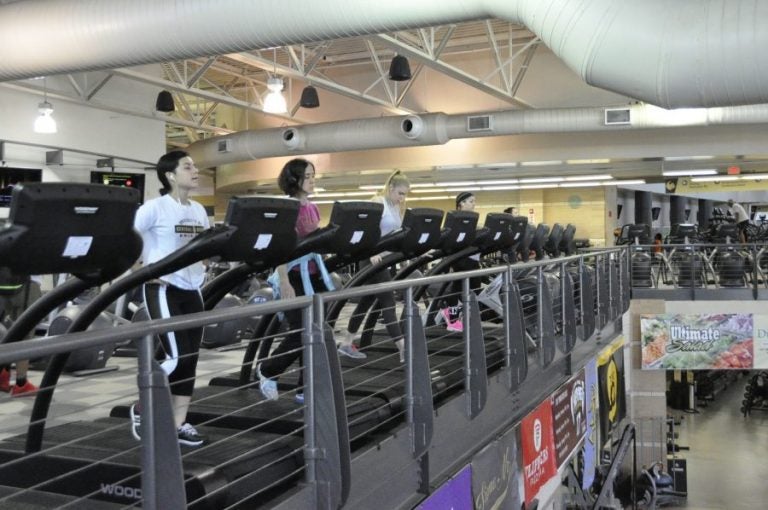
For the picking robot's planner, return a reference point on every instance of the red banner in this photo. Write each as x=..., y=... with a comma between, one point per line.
x=538, y=447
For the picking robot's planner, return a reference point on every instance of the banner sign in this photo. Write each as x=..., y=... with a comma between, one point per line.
x=610, y=371
x=495, y=473
x=590, y=442
x=455, y=493
x=704, y=341
x=537, y=443
x=685, y=185
x=569, y=416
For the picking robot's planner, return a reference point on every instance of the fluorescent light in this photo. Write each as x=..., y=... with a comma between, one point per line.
x=498, y=182
x=598, y=177
x=499, y=188
x=432, y=190
x=756, y=177
x=457, y=183
x=376, y=172
x=319, y=189
x=538, y=186
x=541, y=163
x=716, y=178
x=441, y=197
x=453, y=167
x=619, y=183
x=587, y=161
x=510, y=164
x=541, y=179
x=687, y=158
x=579, y=184
x=375, y=187
x=703, y=171
x=343, y=194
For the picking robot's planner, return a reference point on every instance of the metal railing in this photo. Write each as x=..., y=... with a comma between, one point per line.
x=539, y=324
x=699, y=271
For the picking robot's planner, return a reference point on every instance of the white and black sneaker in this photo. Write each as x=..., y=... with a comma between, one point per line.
x=135, y=422
x=189, y=436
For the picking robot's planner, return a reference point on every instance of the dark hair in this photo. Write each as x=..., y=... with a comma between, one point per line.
x=168, y=163
x=291, y=177
x=509, y=210
x=462, y=197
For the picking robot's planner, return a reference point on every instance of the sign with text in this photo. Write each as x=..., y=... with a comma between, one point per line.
x=569, y=416
x=537, y=443
x=590, y=442
x=684, y=185
x=454, y=494
x=736, y=341
x=495, y=473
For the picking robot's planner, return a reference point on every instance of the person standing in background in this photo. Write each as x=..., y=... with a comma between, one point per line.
x=742, y=219
x=166, y=224
x=13, y=301
x=393, y=197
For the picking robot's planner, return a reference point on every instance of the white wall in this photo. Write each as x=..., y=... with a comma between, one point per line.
x=84, y=129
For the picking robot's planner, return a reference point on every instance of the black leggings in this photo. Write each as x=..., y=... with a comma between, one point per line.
x=290, y=348
x=178, y=350
x=386, y=304
x=455, y=289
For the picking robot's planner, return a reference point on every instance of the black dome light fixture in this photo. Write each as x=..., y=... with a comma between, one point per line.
x=399, y=69
x=165, y=102
x=309, y=97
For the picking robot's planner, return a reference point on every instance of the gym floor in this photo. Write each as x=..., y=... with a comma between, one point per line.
x=728, y=457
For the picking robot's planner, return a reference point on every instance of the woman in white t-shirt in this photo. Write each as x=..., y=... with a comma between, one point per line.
x=166, y=224
x=393, y=198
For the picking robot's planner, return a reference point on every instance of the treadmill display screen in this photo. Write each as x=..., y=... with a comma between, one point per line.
x=10, y=177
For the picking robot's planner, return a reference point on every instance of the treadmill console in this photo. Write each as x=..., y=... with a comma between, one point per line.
x=265, y=233
x=352, y=231
x=552, y=246
x=682, y=233
x=78, y=228
x=567, y=243
x=458, y=231
x=538, y=239
x=420, y=231
x=496, y=233
x=726, y=233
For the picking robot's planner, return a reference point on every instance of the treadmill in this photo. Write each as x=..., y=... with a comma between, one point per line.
x=243, y=406
x=232, y=468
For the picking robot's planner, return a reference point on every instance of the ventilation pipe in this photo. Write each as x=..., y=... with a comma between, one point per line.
x=439, y=128
x=671, y=53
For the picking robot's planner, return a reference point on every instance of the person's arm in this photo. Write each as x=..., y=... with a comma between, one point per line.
x=286, y=289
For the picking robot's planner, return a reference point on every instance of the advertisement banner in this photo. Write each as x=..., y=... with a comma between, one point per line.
x=703, y=341
x=495, y=475
x=537, y=443
x=610, y=371
x=455, y=493
x=569, y=416
x=730, y=183
x=590, y=443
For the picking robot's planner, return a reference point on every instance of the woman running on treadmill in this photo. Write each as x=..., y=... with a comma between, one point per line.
x=166, y=224
x=392, y=197
x=297, y=180
x=451, y=312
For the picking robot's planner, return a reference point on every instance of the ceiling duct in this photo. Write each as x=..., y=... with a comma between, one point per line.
x=671, y=53
x=439, y=128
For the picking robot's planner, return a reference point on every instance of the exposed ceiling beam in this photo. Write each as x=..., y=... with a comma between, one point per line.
x=321, y=82
x=448, y=70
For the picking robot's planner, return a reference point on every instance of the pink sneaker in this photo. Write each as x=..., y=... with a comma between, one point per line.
x=444, y=315
x=456, y=326
x=27, y=390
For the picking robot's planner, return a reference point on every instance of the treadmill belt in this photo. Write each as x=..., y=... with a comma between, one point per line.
x=102, y=458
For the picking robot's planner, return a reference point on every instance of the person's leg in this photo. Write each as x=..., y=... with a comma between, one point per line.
x=177, y=351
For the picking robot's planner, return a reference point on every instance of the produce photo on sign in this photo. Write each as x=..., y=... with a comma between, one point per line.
x=697, y=342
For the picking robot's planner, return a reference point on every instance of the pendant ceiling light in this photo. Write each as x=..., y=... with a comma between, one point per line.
x=399, y=69
x=274, y=101
x=309, y=98
x=164, y=102
x=44, y=122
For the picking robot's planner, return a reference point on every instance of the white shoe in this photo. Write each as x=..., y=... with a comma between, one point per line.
x=267, y=386
x=401, y=349
x=351, y=351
